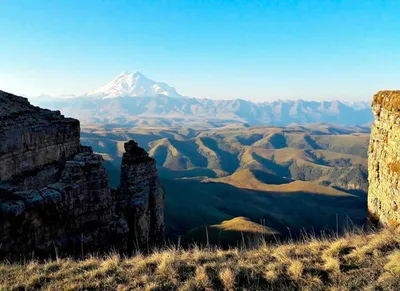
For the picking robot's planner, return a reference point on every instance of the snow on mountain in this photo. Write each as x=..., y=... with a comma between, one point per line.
x=358, y=105
x=133, y=85
x=150, y=99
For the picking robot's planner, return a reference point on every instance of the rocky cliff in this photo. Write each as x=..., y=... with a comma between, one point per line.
x=384, y=159
x=54, y=193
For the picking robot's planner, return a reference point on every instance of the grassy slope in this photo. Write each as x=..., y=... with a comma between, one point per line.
x=211, y=203
x=353, y=262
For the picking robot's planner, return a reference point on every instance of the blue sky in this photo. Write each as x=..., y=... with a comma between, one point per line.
x=255, y=50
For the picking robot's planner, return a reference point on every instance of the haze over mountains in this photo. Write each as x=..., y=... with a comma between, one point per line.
x=132, y=99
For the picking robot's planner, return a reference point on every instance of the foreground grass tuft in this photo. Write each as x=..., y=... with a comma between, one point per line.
x=353, y=262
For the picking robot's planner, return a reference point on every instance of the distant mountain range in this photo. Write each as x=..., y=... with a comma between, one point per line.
x=133, y=99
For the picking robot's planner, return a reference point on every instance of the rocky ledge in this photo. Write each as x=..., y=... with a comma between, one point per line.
x=54, y=193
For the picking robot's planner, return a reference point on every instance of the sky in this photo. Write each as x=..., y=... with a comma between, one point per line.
x=254, y=50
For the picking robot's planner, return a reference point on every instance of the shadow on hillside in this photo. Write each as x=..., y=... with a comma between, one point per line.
x=191, y=205
x=229, y=162
x=359, y=193
x=312, y=142
x=249, y=140
x=189, y=173
x=272, y=167
x=191, y=150
x=270, y=179
x=278, y=141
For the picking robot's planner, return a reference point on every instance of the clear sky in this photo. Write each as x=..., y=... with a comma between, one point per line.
x=257, y=50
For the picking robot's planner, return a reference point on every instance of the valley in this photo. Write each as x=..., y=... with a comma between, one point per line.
x=285, y=180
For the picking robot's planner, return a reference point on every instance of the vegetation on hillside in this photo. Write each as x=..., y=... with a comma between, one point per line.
x=353, y=262
x=312, y=176
x=314, y=153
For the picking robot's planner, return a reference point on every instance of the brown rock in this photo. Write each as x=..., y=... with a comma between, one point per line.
x=54, y=193
x=140, y=197
x=31, y=137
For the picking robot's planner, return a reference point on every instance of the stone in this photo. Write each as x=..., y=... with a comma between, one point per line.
x=32, y=137
x=31, y=198
x=384, y=159
x=12, y=208
x=54, y=192
x=140, y=197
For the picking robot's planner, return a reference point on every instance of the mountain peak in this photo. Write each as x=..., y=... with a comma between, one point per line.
x=128, y=84
x=137, y=73
x=134, y=74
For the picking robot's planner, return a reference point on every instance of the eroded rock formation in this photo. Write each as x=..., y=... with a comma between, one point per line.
x=384, y=159
x=140, y=198
x=54, y=193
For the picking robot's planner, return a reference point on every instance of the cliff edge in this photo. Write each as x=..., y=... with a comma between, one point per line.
x=384, y=160
x=54, y=193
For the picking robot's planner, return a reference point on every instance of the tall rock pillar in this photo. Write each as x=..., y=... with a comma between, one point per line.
x=141, y=197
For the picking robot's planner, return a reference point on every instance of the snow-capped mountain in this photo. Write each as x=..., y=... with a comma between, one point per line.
x=132, y=96
x=133, y=85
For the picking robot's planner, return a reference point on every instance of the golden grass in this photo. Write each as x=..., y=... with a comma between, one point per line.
x=353, y=262
x=389, y=100
x=243, y=224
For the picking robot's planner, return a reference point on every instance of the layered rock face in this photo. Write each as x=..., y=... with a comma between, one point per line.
x=32, y=138
x=384, y=159
x=54, y=193
x=140, y=197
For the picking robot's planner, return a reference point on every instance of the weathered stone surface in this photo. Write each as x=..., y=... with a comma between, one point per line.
x=54, y=193
x=140, y=197
x=31, y=137
x=60, y=215
x=384, y=159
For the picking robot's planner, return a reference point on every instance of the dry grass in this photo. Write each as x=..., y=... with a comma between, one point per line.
x=243, y=224
x=389, y=100
x=353, y=262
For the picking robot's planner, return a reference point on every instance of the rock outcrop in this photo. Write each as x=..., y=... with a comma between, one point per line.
x=140, y=198
x=33, y=139
x=384, y=160
x=54, y=193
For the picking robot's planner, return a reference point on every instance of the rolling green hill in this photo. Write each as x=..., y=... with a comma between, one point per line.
x=292, y=178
